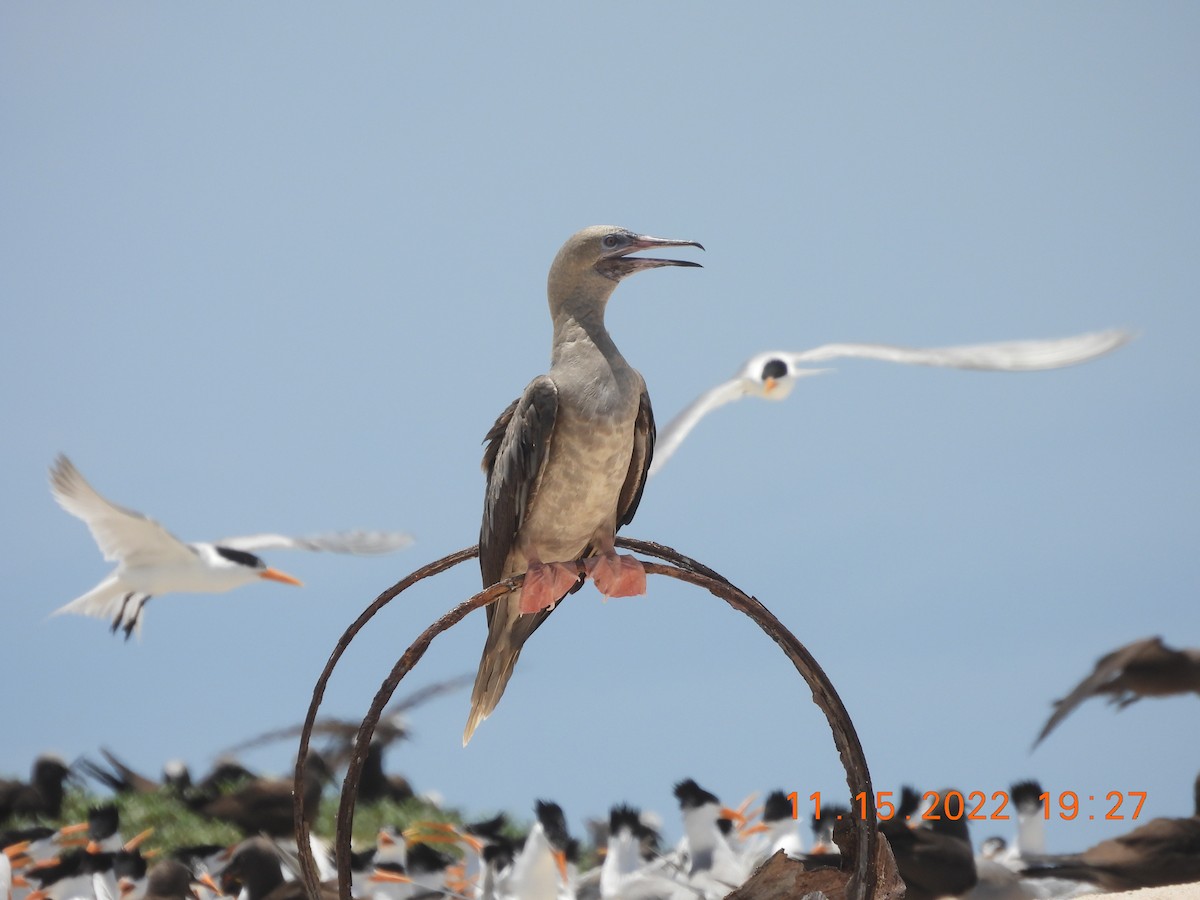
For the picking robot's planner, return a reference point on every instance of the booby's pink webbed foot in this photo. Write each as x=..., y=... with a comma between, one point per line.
x=546, y=584
x=616, y=575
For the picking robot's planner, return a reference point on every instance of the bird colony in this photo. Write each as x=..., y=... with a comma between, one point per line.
x=566, y=465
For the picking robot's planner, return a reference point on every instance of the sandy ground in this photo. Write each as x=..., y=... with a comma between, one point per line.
x=1175, y=892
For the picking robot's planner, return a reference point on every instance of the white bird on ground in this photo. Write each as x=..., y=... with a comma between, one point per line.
x=151, y=561
x=772, y=375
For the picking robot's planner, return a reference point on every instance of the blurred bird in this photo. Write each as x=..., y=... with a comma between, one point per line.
x=1161, y=852
x=168, y=879
x=255, y=872
x=264, y=805
x=934, y=858
x=121, y=779
x=710, y=863
x=41, y=796
x=539, y=871
x=150, y=560
x=773, y=374
x=566, y=462
x=1145, y=668
x=777, y=831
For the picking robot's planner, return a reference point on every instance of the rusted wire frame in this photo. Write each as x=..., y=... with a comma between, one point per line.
x=845, y=738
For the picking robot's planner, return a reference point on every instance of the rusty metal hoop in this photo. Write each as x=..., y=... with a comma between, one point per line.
x=858, y=778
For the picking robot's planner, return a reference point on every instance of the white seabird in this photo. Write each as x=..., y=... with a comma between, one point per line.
x=152, y=561
x=773, y=374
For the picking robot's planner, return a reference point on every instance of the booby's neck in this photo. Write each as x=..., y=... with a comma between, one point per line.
x=580, y=328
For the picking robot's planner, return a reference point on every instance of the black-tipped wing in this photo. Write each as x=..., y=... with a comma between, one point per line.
x=639, y=464
x=1109, y=667
x=518, y=446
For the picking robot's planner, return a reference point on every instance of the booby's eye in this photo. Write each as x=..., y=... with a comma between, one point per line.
x=610, y=242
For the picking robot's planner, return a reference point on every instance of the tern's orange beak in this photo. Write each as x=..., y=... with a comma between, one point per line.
x=754, y=829
x=560, y=860
x=383, y=875
x=19, y=881
x=735, y=815
x=207, y=880
x=769, y=384
x=136, y=841
x=68, y=830
x=12, y=851
x=431, y=833
x=276, y=575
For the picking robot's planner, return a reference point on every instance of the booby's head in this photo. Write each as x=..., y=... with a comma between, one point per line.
x=240, y=559
x=772, y=375
x=594, y=260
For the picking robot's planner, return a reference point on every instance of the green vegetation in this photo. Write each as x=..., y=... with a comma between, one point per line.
x=176, y=825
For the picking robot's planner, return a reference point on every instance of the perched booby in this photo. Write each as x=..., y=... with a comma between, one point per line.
x=42, y=795
x=1161, y=852
x=566, y=462
x=1145, y=668
x=150, y=560
x=773, y=374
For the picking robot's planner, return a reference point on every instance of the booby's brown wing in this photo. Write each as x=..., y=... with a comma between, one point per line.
x=644, y=435
x=518, y=446
x=1109, y=668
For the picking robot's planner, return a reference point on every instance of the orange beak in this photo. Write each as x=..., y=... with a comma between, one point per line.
x=769, y=384
x=12, y=851
x=755, y=829
x=276, y=575
x=383, y=875
x=19, y=881
x=207, y=880
x=68, y=830
x=136, y=841
x=560, y=860
x=734, y=814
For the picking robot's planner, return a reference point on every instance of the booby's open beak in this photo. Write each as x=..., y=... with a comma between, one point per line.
x=276, y=575
x=618, y=263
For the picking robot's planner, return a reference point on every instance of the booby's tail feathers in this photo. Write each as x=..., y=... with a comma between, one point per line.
x=508, y=631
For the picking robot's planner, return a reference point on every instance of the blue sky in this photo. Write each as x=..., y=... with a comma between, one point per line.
x=279, y=267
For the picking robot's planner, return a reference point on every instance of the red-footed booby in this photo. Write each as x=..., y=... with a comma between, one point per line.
x=150, y=560
x=567, y=461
